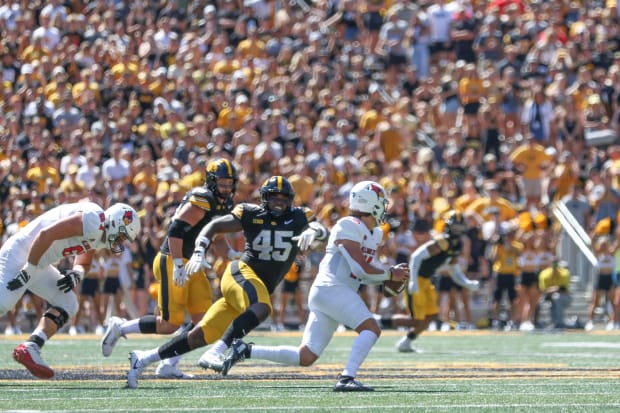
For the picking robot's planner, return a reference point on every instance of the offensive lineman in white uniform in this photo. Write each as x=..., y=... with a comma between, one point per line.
x=350, y=261
x=27, y=258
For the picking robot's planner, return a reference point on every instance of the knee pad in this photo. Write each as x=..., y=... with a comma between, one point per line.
x=60, y=319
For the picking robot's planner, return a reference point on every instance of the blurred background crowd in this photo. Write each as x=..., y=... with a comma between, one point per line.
x=497, y=108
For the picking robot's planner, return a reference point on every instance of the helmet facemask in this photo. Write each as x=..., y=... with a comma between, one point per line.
x=277, y=185
x=221, y=169
x=455, y=224
x=117, y=241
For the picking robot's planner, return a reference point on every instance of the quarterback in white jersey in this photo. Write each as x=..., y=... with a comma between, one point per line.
x=350, y=261
x=27, y=258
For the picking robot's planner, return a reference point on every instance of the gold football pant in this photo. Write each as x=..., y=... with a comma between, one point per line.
x=173, y=301
x=423, y=303
x=241, y=288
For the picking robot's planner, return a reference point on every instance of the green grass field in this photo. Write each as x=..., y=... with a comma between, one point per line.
x=478, y=371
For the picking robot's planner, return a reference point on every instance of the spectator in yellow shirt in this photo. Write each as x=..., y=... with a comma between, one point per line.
x=554, y=285
x=252, y=46
x=42, y=173
x=232, y=118
x=487, y=206
x=470, y=91
x=504, y=255
x=531, y=161
x=145, y=181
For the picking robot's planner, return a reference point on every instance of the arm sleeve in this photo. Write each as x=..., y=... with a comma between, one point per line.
x=357, y=269
x=459, y=277
x=415, y=261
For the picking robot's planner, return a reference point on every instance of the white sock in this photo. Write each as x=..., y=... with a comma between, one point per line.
x=131, y=326
x=360, y=349
x=173, y=361
x=219, y=347
x=41, y=334
x=151, y=356
x=279, y=354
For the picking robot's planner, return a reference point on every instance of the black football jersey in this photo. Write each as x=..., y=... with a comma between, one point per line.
x=202, y=198
x=450, y=247
x=269, y=248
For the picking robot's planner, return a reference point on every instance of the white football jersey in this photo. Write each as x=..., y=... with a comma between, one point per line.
x=334, y=269
x=93, y=220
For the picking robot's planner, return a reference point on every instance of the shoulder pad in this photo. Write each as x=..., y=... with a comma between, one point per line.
x=202, y=198
x=442, y=242
x=309, y=214
x=243, y=209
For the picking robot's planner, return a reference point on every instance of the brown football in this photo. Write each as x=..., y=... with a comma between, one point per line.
x=392, y=288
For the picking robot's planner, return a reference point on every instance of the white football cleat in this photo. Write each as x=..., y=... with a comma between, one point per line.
x=136, y=366
x=171, y=371
x=404, y=346
x=589, y=326
x=29, y=355
x=212, y=360
x=111, y=336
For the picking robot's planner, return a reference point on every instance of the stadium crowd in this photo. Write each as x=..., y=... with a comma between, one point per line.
x=494, y=108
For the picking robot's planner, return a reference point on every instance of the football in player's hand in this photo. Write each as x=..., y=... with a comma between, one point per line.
x=392, y=288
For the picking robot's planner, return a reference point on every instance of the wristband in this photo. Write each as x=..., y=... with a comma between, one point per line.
x=202, y=243
x=386, y=276
x=321, y=233
x=79, y=273
x=28, y=268
x=232, y=253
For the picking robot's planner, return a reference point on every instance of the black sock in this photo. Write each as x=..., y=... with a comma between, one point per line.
x=175, y=347
x=148, y=324
x=412, y=335
x=37, y=340
x=240, y=327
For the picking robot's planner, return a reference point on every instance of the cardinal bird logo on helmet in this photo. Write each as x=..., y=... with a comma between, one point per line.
x=377, y=190
x=128, y=217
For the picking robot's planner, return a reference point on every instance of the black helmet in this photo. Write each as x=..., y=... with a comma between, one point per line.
x=455, y=223
x=218, y=169
x=276, y=185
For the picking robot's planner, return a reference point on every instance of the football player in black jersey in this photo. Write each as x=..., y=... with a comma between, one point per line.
x=421, y=297
x=274, y=232
x=176, y=293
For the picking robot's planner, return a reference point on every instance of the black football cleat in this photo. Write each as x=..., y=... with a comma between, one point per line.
x=348, y=383
x=239, y=351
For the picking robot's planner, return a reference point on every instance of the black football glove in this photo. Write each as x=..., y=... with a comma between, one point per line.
x=70, y=279
x=19, y=281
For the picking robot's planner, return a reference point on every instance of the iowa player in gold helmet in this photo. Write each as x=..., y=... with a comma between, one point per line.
x=176, y=293
x=274, y=232
x=421, y=297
